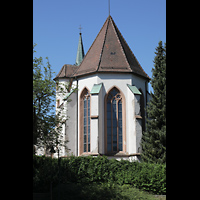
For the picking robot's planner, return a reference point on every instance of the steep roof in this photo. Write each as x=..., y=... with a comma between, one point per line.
x=80, y=51
x=110, y=53
x=66, y=71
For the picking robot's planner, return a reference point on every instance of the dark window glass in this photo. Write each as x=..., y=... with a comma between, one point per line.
x=114, y=121
x=86, y=122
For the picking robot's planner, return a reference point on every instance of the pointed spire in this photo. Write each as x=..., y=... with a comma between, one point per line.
x=80, y=51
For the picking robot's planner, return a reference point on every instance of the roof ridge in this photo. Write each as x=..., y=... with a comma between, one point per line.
x=115, y=27
x=91, y=47
x=103, y=43
x=129, y=50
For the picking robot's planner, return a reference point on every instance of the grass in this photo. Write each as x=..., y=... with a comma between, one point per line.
x=105, y=191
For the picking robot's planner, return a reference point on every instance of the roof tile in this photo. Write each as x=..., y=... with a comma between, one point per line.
x=66, y=71
x=110, y=53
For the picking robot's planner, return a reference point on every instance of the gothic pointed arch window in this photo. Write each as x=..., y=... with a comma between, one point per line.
x=115, y=122
x=85, y=121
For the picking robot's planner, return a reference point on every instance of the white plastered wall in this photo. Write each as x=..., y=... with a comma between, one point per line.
x=88, y=82
x=120, y=80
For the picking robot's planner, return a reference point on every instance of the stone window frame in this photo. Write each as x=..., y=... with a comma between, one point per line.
x=123, y=122
x=81, y=121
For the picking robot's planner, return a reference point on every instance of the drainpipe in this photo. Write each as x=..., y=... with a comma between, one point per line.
x=146, y=82
x=76, y=117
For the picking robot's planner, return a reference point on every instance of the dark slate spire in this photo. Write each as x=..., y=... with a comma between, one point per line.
x=80, y=51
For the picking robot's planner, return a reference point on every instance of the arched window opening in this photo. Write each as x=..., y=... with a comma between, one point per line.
x=85, y=122
x=114, y=121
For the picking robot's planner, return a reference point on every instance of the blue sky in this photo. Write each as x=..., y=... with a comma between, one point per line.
x=56, y=27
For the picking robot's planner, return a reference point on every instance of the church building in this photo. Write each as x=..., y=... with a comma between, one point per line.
x=107, y=113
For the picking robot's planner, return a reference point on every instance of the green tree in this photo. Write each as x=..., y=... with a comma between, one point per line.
x=47, y=124
x=154, y=139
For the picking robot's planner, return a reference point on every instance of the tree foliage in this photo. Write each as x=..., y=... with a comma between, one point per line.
x=47, y=124
x=154, y=139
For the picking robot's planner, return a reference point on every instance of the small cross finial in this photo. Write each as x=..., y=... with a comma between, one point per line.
x=80, y=28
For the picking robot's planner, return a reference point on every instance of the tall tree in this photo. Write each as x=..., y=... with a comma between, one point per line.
x=47, y=124
x=43, y=94
x=154, y=139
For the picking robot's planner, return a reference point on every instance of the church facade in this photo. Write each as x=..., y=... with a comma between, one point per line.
x=107, y=112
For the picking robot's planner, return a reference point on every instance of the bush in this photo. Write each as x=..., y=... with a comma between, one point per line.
x=99, y=191
x=86, y=170
x=45, y=171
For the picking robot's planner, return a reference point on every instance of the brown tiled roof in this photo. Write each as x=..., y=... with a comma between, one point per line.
x=66, y=71
x=110, y=53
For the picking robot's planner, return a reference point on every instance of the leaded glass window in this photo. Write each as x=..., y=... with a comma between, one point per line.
x=114, y=121
x=86, y=122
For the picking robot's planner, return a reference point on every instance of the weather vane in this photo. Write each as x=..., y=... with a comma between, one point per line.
x=80, y=28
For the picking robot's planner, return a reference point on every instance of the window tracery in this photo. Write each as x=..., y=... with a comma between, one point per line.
x=114, y=121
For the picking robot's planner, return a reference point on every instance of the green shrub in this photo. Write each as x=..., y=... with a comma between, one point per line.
x=86, y=170
x=99, y=191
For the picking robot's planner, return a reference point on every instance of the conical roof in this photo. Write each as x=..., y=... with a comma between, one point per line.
x=110, y=53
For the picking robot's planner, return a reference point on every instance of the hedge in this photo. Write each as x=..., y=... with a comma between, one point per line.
x=145, y=176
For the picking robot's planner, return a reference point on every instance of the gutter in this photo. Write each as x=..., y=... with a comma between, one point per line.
x=77, y=118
